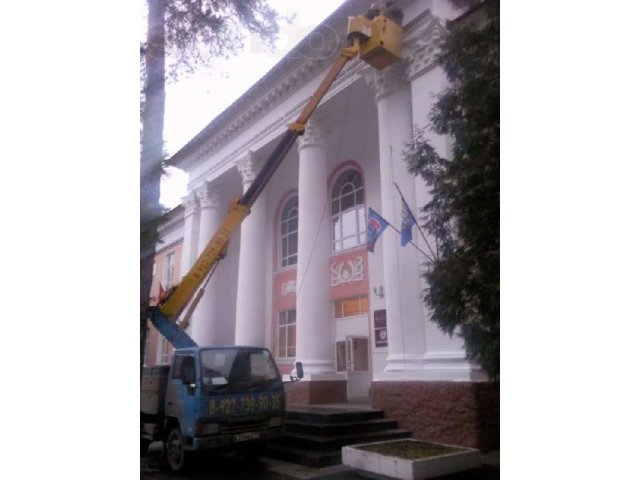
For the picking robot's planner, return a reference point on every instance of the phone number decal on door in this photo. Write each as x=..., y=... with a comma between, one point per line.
x=244, y=404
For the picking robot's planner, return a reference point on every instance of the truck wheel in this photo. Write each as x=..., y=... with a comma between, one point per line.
x=176, y=454
x=144, y=445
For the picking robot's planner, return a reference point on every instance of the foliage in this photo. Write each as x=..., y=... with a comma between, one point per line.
x=464, y=211
x=198, y=31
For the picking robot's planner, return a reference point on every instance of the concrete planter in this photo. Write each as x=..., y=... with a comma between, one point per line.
x=378, y=465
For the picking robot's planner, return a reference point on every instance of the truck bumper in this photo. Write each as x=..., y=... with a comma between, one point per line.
x=233, y=440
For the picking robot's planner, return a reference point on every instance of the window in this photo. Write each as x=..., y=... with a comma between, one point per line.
x=163, y=351
x=350, y=307
x=289, y=233
x=169, y=265
x=184, y=368
x=236, y=368
x=287, y=334
x=347, y=210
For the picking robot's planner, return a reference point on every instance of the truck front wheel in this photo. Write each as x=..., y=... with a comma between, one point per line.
x=176, y=454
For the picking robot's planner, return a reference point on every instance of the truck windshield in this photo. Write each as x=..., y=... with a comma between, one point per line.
x=232, y=370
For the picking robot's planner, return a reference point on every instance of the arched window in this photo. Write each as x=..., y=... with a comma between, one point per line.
x=347, y=210
x=289, y=233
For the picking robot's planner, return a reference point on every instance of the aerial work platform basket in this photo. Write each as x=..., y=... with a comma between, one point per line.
x=380, y=39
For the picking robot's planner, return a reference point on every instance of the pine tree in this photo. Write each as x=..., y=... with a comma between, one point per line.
x=464, y=211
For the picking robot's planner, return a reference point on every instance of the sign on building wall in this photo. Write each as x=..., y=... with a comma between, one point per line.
x=347, y=271
x=380, y=327
x=287, y=287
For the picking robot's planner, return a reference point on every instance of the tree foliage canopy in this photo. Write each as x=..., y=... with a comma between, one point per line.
x=197, y=31
x=464, y=211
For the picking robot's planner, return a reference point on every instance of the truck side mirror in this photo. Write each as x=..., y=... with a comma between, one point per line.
x=299, y=370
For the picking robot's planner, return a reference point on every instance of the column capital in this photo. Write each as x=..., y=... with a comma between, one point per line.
x=247, y=167
x=208, y=195
x=315, y=134
x=190, y=204
x=386, y=81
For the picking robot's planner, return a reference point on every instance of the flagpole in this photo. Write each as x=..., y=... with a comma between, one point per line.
x=411, y=242
x=416, y=222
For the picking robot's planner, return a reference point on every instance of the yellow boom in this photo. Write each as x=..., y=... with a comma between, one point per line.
x=377, y=42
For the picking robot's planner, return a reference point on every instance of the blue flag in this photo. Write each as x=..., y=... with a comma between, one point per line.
x=408, y=220
x=375, y=226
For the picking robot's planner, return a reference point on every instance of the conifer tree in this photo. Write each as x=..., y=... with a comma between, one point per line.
x=463, y=284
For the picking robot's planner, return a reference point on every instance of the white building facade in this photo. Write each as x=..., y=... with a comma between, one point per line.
x=297, y=277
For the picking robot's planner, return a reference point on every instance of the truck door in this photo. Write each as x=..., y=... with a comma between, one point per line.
x=182, y=395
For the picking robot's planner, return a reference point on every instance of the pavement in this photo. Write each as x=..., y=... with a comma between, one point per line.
x=232, y=467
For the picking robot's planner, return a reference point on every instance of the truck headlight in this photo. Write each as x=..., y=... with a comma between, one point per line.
x=275, y=422
x=207, y=428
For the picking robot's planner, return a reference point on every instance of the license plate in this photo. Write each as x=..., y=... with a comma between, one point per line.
x=243, y=437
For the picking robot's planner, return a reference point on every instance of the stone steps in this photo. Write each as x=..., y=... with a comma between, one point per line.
x=344, y=428
x=331, y=415
x=321, y=443
x=314, y=436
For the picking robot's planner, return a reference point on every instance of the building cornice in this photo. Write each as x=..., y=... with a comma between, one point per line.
x=303, y=62
x=171, y=219
x=348, y=76
x=163, y=249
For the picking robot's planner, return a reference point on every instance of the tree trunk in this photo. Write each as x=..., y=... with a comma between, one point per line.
x=151, y=156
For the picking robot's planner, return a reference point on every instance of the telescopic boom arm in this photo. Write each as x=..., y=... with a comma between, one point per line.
x=377, y=42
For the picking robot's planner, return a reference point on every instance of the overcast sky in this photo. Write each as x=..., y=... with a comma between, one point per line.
x=194, y=101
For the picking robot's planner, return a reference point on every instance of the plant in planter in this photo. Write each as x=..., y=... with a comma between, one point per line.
x=410, y=459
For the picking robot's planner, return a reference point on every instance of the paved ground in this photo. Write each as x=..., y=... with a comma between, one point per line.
x=227, y=467
x=231, y=467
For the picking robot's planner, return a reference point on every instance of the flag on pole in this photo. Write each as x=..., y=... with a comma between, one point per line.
x=375, y=226
x=408, y=220
x=161, y=294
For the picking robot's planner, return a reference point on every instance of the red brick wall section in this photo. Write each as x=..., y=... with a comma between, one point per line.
x=457, y=413
x=314, y=393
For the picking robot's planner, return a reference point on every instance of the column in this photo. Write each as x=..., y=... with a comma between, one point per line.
x=250, y=301
x=445, y=356
x=203, y=322
x=191, y=228
x=314, y=342
x=405, y=319
x=190, y=238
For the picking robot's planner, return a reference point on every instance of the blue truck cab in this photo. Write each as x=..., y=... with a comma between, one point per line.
x=212, y=398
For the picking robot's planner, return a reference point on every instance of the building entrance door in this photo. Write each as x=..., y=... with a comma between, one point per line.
x=352, y=356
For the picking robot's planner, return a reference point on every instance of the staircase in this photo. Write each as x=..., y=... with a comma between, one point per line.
x=315, y=435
